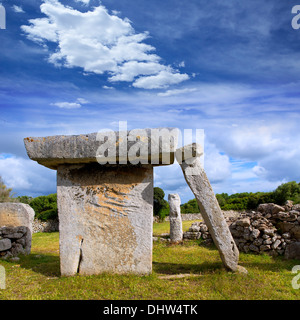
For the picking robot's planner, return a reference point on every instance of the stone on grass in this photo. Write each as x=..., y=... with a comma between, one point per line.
x=195, y=176
x=175, y=218
x=105, y=196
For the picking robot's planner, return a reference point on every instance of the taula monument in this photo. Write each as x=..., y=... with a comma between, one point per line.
x=105, y=197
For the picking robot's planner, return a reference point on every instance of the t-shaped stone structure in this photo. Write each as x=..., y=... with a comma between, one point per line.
x=105, y=197
x=105, y=210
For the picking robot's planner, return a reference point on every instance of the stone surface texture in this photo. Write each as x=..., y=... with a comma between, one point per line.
x=105, y=216
x=196, y=178
x=17, y=215
x=155, y=146
x=175, y=218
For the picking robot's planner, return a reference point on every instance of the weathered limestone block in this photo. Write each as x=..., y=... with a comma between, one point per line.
x=105, y=216
x=155, y=146
x=176, y=233
x=196, y=178
x=17, y=214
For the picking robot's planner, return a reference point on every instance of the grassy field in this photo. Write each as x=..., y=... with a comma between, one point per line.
x=189, y=271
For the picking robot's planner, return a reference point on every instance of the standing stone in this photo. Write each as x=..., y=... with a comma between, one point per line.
x=176, y=233
x=105, y=219
x=17, y=215
x=195, y=176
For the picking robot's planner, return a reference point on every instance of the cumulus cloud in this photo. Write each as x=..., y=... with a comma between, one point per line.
x=217, y=165
x=26, y=177
x=249, y=142
x=99, y=43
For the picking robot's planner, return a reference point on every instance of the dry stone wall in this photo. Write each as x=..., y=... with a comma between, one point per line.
x=15, y=229
x=14, y=241
x=272, y=229
x=45, y=226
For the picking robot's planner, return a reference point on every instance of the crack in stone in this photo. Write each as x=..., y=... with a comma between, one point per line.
x=80, y=256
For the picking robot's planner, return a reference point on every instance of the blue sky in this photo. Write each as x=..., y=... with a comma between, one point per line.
x=231, y=68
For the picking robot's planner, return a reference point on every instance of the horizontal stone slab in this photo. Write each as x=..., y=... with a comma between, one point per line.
x=146, y=146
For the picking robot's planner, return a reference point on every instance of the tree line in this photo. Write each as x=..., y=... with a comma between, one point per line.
x=45, y=207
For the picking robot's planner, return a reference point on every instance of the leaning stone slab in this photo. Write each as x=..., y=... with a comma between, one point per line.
x=196, y=178
x=176, y=233
x=17, y=215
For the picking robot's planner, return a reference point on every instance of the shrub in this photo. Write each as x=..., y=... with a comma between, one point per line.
x=160, y=205
x=5, y=193
x=287, y=191
x=45, y=207
x=190, y=207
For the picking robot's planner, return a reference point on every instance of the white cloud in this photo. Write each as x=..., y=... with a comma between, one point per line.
x=17, y=9
x=67, y=105
x=26, y=177
x=82, y=101
x=71, y=105
x=161, y=80
x=217, y=165
x=173, y=92
x=86, y=2
x=100, y=43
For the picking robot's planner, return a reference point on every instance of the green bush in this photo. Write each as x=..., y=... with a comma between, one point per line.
x=249, y=200
x=160, y=205
x=287, y=191
x=45, y=207
x=24, y=199
x=190, y=207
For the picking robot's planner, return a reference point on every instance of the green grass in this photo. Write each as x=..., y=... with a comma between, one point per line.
x=164, y=227
x=37, y=276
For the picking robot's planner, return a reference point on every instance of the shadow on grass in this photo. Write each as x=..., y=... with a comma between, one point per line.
x=273, y=264
x=178, y=268
x=45, y=264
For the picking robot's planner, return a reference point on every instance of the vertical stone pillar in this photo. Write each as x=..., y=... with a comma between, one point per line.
x=176, y=233
x=105, y=218
x=196, y=178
